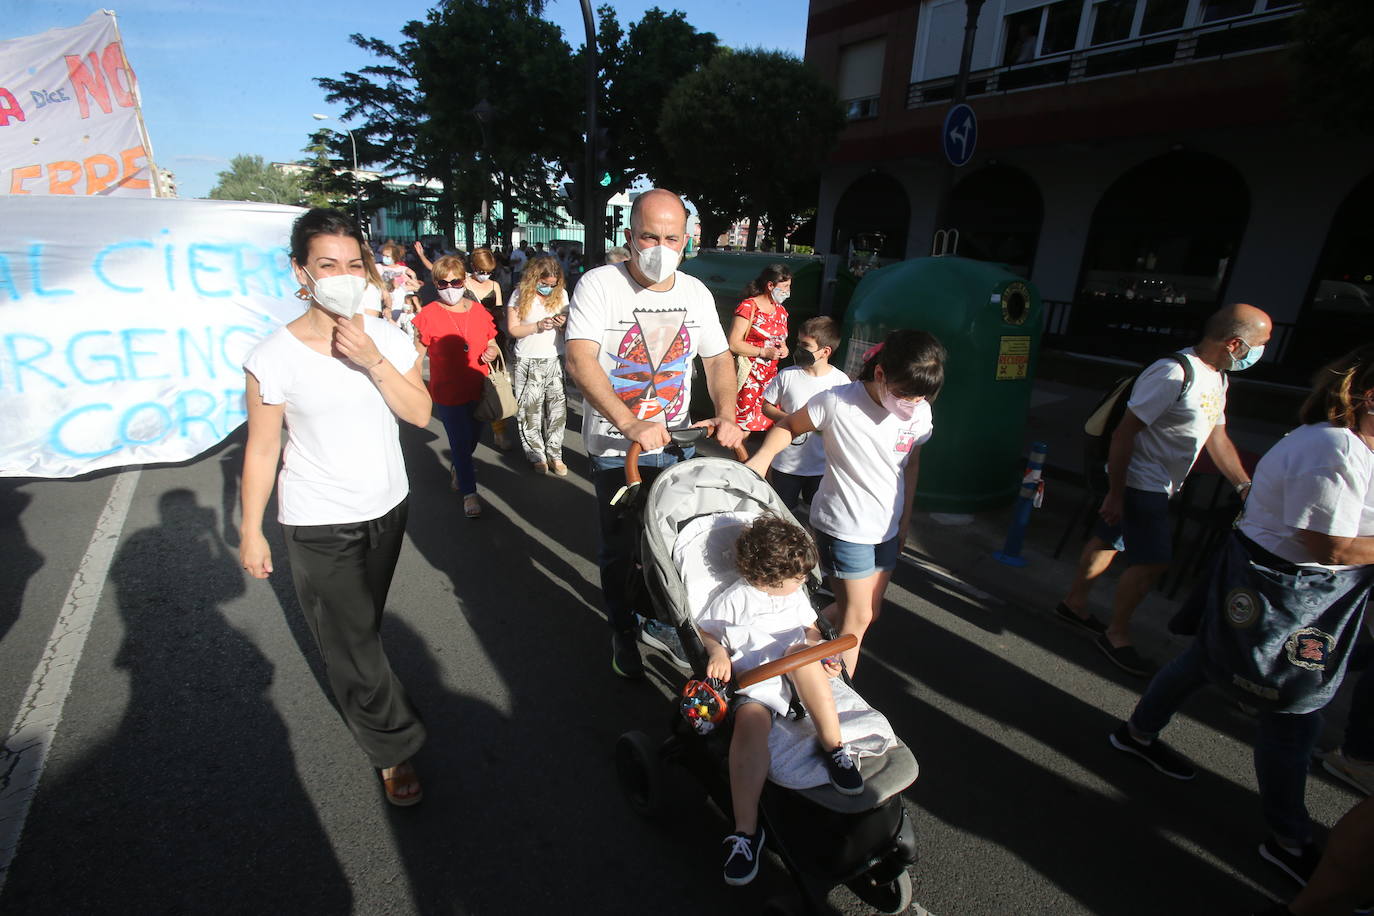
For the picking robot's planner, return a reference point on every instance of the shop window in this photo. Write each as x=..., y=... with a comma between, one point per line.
x=998, y=211
x=1166, y=231
x=1345, y=274
x=1214, y=10
x=1162, y=16
x=1112, y=20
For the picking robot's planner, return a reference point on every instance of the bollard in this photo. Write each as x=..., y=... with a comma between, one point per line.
x=1032, y=492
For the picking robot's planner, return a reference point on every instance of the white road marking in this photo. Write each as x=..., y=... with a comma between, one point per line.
x=25, y=751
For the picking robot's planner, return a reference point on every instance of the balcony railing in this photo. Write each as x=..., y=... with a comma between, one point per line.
x=1167, y=49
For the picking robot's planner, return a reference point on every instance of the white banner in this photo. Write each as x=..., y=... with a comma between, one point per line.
x=69, y=115
x=124, y=324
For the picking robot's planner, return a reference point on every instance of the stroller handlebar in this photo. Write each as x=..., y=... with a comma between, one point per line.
x=680, y=437
x=797, y=659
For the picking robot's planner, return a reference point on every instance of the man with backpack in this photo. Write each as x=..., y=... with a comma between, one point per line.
x=1175, y=408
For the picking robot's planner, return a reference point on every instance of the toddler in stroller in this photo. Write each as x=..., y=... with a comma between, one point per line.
x=761, y=618
x=690, y=520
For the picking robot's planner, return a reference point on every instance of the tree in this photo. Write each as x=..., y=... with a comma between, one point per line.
x=322, y=176
x=747, y=135
x=422, y=111
x=251, y=178
x=1334, y=55
x=638, y=70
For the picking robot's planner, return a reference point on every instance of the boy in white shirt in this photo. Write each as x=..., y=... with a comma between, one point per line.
x=763, y=617
x=797, y=471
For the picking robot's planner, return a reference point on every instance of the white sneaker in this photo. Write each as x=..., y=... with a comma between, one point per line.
x=1358, y=774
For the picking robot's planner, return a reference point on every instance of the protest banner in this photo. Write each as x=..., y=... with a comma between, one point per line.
x=70, y=120
x=124, y=324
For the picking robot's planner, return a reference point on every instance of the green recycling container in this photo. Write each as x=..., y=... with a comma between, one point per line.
x=726, y=273
x=989, y=320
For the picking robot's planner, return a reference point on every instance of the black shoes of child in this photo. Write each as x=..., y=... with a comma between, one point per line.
x=844, y=774
x=742, y=857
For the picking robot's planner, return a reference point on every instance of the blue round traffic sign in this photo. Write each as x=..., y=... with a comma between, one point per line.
x=959, y=136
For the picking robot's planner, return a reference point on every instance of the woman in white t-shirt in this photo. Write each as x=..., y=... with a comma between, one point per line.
x=338, y=380
x=873, y=432
x=535, y=323
x=1280, y=611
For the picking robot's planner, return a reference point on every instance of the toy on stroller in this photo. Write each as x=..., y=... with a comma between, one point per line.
x=690, y=518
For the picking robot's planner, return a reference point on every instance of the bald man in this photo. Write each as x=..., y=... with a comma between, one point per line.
x=633, y=331
x=1160, y=435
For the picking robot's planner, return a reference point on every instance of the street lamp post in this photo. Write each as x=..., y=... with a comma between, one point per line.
x=483, y=112
x=276, y=198
x=357, y=185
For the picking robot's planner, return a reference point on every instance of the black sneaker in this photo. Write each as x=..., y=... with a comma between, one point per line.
x=1088, y=622
x=742, y=857
x=1297, y=866
x=625, y=660
x=664, y=638
x=1124, y=657
x=1157, y=754
x=843, y=771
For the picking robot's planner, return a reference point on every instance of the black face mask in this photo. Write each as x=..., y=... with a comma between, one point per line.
x=804, y=358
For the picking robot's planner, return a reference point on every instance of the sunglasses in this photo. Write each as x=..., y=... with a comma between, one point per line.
x=445, y=284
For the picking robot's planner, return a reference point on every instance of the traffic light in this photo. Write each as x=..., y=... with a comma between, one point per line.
x=601, y=146
x=617, y=214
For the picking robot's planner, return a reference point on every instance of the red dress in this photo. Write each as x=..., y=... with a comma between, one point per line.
x=764, y=329
x=455, y=342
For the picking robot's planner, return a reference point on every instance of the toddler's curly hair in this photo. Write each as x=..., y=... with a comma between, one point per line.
x=772, y=550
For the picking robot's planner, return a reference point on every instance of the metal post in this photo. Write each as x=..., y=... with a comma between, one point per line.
x=974, y=9
x=593, y=245
x=357, y=189
x=1032, y=490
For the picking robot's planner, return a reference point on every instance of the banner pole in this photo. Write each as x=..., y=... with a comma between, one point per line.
x=153, y=171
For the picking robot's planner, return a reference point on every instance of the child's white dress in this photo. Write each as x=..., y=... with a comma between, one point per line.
x=756, y=628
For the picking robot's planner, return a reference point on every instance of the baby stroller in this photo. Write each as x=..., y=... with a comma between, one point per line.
x=690, y=517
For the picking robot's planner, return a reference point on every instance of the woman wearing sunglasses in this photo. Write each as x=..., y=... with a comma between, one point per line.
x=460, y=338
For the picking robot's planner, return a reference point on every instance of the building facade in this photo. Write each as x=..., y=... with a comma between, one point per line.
x=1140, y=161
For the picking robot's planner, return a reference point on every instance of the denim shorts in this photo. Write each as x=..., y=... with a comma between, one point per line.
x=847, y=560
x=1143, y=532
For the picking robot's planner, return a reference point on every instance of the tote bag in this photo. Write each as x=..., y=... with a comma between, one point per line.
x=498, y=397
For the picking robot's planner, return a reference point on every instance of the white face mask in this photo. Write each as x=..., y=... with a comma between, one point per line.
x=451, y=296
x=780, y=295
x=388, y=260
x=482, y=278
x=657, y=263
x=341, y=294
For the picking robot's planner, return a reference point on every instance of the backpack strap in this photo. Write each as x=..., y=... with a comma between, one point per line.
x=1187, y=374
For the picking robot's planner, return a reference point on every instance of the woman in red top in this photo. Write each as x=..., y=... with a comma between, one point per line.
x=460, y=338
x=759, y=334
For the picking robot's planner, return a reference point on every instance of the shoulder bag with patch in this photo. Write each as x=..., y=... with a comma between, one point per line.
x=1277, y=635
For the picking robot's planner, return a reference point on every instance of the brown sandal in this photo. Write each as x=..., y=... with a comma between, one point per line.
x=402, y=785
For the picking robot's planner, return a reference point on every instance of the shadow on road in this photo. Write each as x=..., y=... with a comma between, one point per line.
x=18, y=560
x=192, y=803
x=1091, y=844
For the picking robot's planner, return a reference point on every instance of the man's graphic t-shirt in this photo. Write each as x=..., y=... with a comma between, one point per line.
x=647, y=341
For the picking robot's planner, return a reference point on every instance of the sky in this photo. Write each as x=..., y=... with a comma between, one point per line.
x=221, y=78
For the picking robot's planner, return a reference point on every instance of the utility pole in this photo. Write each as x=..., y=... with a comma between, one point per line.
x=593, y=245
x=974, y=8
